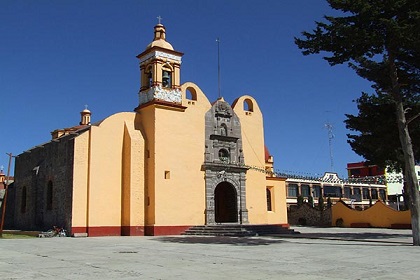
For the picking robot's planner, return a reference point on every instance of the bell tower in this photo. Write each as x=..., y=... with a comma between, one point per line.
x=160, y=70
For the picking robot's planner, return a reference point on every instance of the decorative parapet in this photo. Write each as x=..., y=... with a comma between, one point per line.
x=161, y=55
x=172, y=95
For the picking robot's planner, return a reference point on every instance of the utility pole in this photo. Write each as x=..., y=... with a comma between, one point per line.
x=329, y=126
x=6, y=186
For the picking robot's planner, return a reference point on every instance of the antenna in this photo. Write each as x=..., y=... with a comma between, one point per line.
x=218, y=66
x=331, y=136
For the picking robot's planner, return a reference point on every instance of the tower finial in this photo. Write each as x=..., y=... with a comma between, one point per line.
x=159, y=19
x=160, y=33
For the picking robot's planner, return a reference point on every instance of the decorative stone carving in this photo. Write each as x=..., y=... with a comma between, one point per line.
x=222, y=158
x=157, y=92
x=159, y=54
x=223, y=108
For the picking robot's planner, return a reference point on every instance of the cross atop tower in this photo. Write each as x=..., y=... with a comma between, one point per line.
x=159, y=19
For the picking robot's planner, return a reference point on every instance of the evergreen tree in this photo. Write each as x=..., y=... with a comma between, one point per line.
x=311, y=200
x=376, y=131
x=321, y=203
x=299, y=200
x=380, y=40
x=329, y=203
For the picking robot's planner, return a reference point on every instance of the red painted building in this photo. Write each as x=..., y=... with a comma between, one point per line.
x=362, y=169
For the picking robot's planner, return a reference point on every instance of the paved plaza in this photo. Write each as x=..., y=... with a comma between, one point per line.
x=316, y=253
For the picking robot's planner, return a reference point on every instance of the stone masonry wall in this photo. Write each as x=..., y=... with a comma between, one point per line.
x=309, y=216
x=50, y=163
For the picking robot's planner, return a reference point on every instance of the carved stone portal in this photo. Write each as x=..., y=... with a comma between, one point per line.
x=225, y=173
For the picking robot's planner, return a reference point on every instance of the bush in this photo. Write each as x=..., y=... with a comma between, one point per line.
x=311, y=201
x=299, y=200
x=302, y=221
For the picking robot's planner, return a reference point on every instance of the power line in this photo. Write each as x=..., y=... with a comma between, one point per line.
x=331, y=136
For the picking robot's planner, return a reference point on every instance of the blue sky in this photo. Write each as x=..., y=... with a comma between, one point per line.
x=57, y=56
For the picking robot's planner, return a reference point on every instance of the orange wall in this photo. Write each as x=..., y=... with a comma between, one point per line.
x=252, y=126
x=379, y=215
x=278, y=215
x=80, y=180
x=179, y=150
x=120, y=165
x=133, y=176
x=104, y=195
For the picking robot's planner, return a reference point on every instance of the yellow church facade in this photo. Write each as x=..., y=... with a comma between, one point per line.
x=177, y=161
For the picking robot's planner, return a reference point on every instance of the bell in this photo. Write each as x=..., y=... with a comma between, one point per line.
x=166, y=75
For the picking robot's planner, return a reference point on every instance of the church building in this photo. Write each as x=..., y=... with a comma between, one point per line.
x=177, y=161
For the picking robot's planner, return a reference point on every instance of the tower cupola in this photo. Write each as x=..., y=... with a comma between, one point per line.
x=85, y=116
x=160, y=38
x=160, y=70
x=160, y=32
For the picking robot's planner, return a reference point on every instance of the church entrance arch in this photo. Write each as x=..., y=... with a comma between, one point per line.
x=225, y=203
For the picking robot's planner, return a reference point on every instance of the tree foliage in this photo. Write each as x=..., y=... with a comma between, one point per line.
x=375, y=131
x=300, y=200
x=321, y=203
x=380, y=40
x=369, y=36
x=329, y=202
x=311, y=200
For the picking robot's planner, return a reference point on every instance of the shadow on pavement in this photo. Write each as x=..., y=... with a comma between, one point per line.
x=360, y=235
x=235, y=241
x=395, y=238
x=352, y=243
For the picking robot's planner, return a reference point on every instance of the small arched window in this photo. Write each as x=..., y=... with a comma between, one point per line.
x=248, y=105
x=191, y=94
x=224, y=155
x=269, y=205
x=149, y=75
x=149, y=79
x=50, y=195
